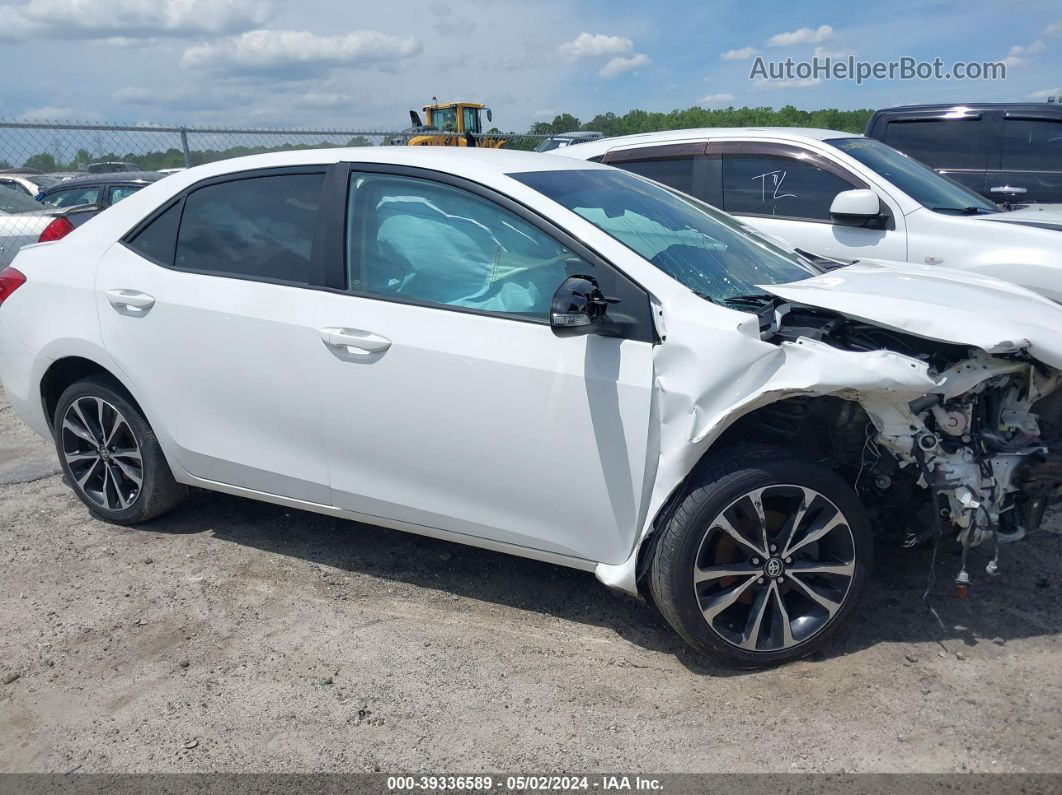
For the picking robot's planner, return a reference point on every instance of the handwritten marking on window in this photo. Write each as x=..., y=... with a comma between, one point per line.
x=776, y=178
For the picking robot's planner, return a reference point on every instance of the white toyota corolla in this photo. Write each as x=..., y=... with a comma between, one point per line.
x=552, y=358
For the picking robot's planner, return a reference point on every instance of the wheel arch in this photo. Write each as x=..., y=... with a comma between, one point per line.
x=67, y=370
x=769, y=425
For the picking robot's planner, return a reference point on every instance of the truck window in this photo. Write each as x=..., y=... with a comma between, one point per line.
x=940, y=143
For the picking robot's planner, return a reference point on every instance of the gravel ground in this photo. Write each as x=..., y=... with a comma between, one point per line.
x=234, y=635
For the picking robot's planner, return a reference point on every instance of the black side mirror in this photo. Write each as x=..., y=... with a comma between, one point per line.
x=414, y=119
x=578, y=307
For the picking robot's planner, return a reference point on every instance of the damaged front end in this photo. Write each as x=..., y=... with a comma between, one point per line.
x=977, y=455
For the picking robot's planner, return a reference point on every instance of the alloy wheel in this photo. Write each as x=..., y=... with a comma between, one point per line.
x=102, y=453
x=774, y=568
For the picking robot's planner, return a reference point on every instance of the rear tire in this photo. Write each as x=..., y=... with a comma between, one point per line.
x=763, y=559
x=110, y=456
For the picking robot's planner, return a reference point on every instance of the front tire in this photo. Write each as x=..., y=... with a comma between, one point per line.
x=110, y=456
x=763, y=559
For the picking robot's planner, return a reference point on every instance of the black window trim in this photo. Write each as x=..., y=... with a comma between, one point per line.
x=720, y=149
x=328, y=255
x=315, y=278
x=636, y=324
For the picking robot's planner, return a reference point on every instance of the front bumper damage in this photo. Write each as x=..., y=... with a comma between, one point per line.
x=975, y=430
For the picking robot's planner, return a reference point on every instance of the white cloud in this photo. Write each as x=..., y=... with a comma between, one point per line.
x=765, y=85
x=1045, y=93
x=295, y=51
x=1054, y=29
x=133, y=94
x=801, y=36
x=322, y=100
x=836, y=55
x=47, y=113
x=621, y=64
x=739, y=55
x=715, y=99
x=1018, y=55
x=545, y=113
x=586, y=45
x=106, y=19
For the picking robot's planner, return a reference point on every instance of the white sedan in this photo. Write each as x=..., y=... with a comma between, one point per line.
x=843, y=195
x=545, y=357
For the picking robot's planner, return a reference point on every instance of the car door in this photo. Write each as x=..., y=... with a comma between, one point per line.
x=787, y=190
x=450, y=403
x=1030, y=167
x=206, y=308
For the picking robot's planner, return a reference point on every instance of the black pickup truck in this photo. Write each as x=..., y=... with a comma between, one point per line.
x=1008, y=152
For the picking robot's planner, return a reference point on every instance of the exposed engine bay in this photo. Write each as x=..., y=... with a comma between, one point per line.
x=977, y=457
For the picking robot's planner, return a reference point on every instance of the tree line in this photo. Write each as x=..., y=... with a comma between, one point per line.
x=642, y=121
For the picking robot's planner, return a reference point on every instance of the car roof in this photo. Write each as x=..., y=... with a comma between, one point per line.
x=463, y=161
x=112, y=178
x=960, y=106
x=600, y=146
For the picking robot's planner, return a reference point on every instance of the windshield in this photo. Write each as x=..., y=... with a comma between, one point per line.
x=15, y=202
x=920, y=182
x=444, y=119
x=703, y=249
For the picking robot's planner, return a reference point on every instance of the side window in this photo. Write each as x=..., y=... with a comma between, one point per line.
x=119, y=192
x=778, y=186
x=15, y=186
x=1032, y=144
x=940, y=143
x=426, y=242
x=73, y=196
x=257, y=228
x=675, y=172
x=157, y=240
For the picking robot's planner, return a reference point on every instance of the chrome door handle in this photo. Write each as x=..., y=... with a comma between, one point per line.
x=1008, y=189
x=130, y=299
x=349, y=338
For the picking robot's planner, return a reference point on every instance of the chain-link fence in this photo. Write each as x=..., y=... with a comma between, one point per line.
x=47, y=169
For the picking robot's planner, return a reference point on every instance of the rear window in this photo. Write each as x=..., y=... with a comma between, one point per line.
x=675, y=172
x=940, y=143
x=256, y=228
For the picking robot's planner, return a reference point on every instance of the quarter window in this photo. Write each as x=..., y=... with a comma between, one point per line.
x=940, y=143
x=416, y=240
x=256, y=228
x=778, y=186
x=1032, y=144
x=156, y=241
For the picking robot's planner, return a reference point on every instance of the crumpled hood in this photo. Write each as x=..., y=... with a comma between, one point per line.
x=939, y=304
x=1045, y=216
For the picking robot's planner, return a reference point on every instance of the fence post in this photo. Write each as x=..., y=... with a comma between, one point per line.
x=184, y=146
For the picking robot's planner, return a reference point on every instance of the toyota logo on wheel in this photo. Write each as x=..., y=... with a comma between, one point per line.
x=773, y=568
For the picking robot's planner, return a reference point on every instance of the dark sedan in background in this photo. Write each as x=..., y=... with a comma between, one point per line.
x=103, y=190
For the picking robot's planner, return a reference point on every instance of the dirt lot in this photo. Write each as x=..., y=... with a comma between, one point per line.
x=234, y=635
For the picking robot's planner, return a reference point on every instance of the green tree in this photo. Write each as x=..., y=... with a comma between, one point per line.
x=42, y=161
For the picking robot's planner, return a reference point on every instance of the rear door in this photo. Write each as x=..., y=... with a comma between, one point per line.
x=1030, y=167
x=208, y=308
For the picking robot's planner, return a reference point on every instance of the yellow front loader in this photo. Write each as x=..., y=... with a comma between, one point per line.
x=450, y=124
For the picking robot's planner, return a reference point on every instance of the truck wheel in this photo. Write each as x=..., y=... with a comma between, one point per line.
x=764, y=558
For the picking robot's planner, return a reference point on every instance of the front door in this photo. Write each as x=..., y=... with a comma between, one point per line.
x=449, y=401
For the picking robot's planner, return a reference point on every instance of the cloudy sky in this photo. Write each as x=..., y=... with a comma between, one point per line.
x=364, y=64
